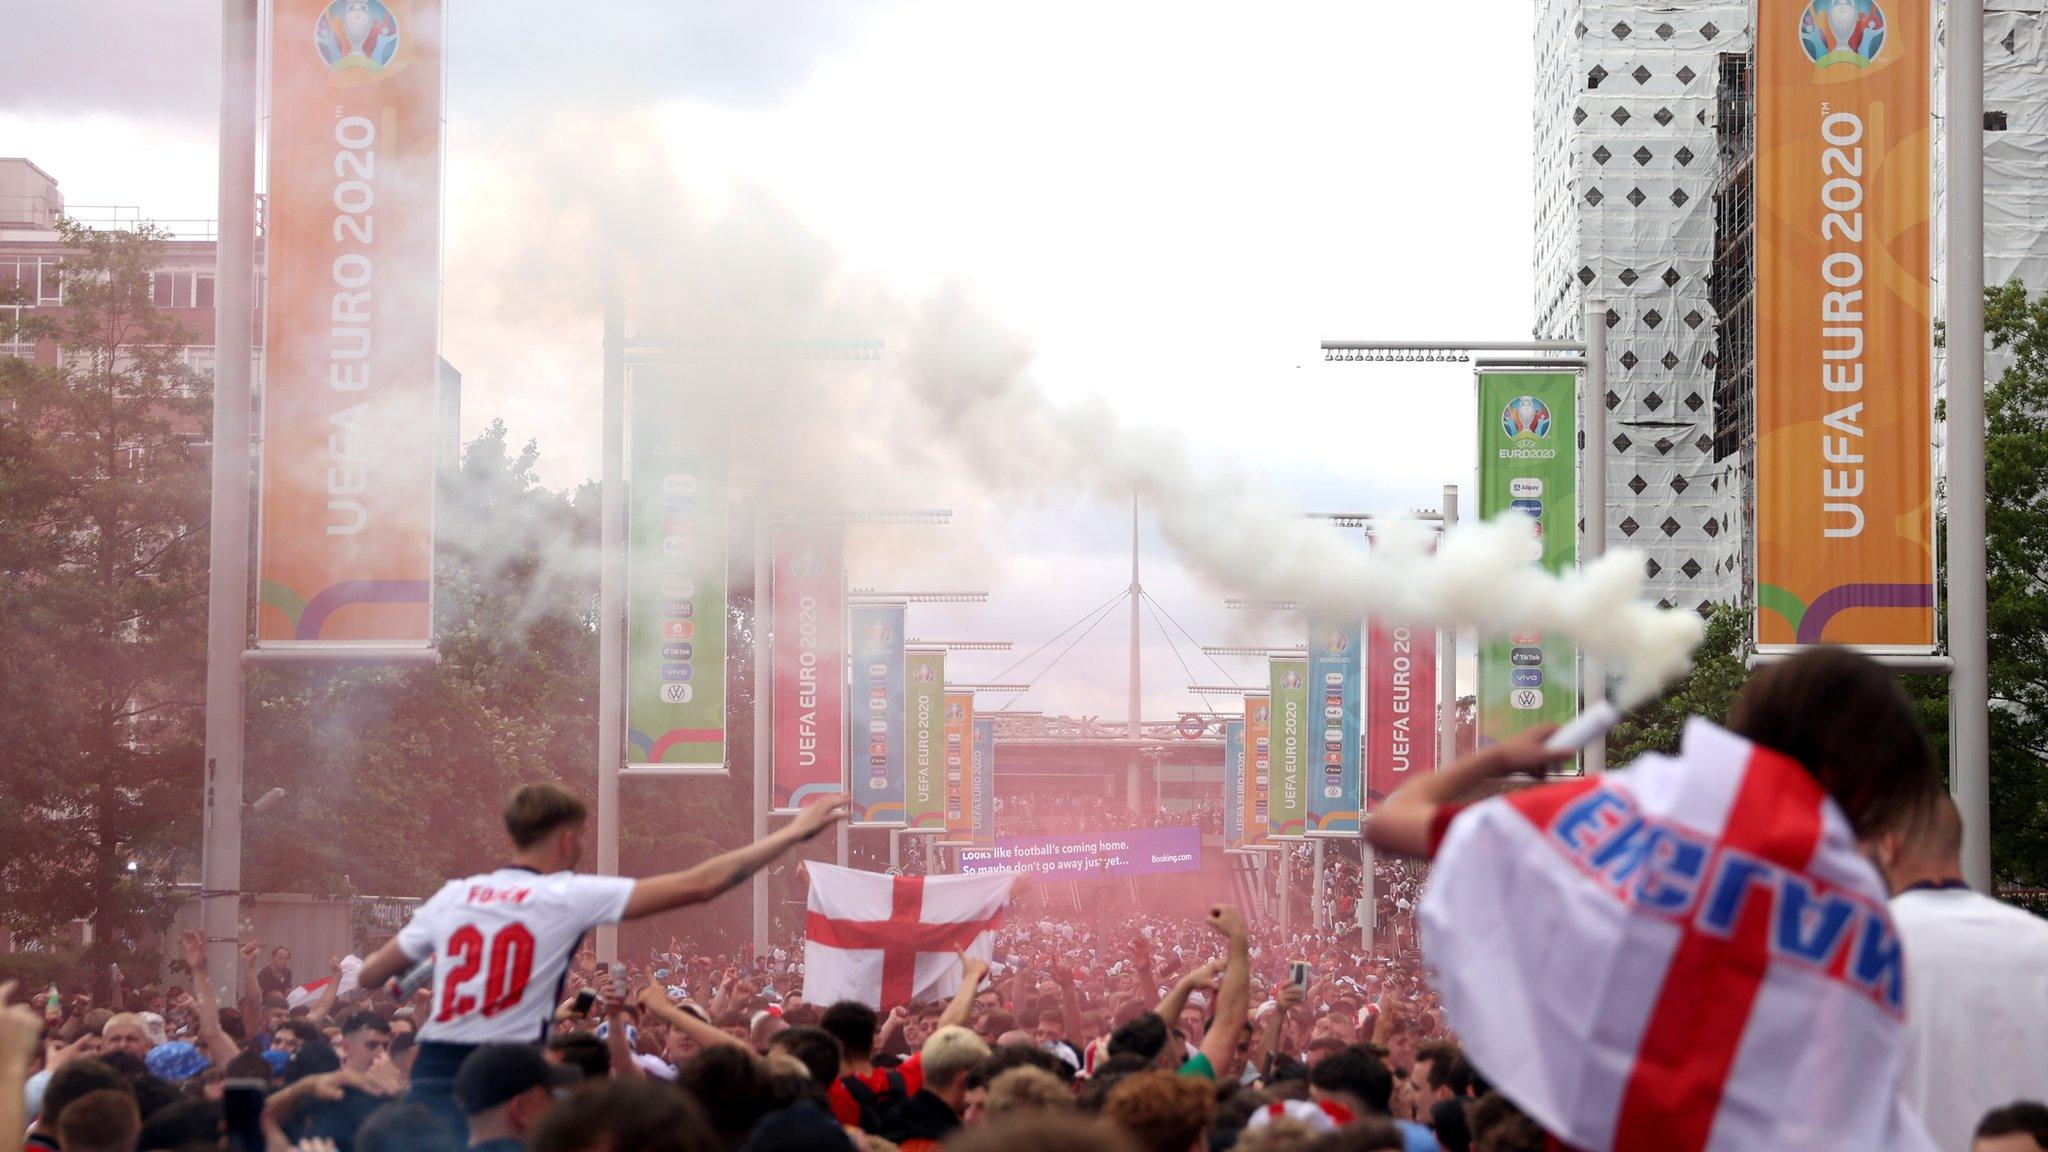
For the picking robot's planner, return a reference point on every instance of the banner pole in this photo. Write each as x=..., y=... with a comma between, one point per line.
x=1969, y=745
x=1368, y=899
x=763, y=690
x=227, y=582
x=1315, y=889
x=1593, y=536
x=1447, y=664
x=1286, y=876
x=611, y=615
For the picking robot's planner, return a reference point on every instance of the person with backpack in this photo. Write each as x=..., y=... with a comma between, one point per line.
x=863, y=1094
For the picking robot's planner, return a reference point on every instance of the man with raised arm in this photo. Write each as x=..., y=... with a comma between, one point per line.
x=502, y=940
x=1233, y=997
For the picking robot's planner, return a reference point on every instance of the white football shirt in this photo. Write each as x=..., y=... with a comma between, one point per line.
x=1976, y=1007
x=501, y=943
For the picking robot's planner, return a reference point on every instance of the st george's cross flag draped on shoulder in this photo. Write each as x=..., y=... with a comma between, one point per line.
x=890, y=940
x=1686, y=956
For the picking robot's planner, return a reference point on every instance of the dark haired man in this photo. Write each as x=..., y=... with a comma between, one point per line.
x=2021, y=1127
x=364, y=1037
x=502, y=940
x=863, y=1093
x=105, y=1120
x=817, y=1049
x=275, y=978
x=70, y=1082
x=1363, y=1083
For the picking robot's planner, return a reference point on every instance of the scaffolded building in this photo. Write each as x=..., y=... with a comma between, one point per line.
x=1645, y=168
x=1626, y=167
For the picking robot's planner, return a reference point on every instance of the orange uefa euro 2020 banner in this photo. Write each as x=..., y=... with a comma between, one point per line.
x=351, y=322
x=1844, y=524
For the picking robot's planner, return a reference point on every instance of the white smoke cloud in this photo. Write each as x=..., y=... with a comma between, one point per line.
x=951, y=414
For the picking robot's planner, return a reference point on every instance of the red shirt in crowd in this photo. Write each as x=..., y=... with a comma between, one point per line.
x=847, y=1111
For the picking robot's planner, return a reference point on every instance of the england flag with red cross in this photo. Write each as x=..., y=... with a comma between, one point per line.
x=890, y=940
x=1688, y=956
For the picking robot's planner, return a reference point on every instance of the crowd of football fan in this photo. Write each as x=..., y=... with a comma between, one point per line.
x=1086, y=1035
x=1092, y=1034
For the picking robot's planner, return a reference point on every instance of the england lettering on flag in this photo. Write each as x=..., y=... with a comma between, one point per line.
x=1687, y=956
x=890, y=940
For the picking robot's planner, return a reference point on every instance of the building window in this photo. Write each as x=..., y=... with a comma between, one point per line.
x=202, y=294
x=12, y=342
x=26, y=280
x=171, y=289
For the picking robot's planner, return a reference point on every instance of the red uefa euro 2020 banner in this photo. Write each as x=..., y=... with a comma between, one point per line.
x=1400, y=708
x=351, y=323
x=810, y=661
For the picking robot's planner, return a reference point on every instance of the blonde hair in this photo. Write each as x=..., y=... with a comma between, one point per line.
x=124, y=1019
x=1026, y=1089
x=949, y=1053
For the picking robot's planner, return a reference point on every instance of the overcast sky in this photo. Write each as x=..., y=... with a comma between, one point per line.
x=1172, y=204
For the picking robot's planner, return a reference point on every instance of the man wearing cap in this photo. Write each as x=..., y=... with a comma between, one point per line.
x=503, y=1089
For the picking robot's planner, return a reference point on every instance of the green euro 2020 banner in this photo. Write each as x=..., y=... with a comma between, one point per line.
x=1293, y=742
x=675, y=597
x=924, y=778
x=1528, y=460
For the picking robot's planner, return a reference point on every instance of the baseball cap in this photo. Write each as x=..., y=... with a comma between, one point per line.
x=176, y=1061
x=495, y=1073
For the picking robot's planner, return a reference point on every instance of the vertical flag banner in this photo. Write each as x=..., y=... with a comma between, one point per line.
x=351, y=324
x=810, y=664
x=984, y=796
x=1258, y=745
x=878, y=733
x=959, y=763
x=1233, y=783
x=1335, y=654
x=675, y=592
x=1294, y=734
x=924, y=778
x=1528, y=432
x=1844, y=524
x=1400, y=707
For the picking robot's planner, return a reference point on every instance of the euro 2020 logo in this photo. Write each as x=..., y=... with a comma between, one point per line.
x=1842, y=32
x=356, y=34
x=1525, y=418
x=805, y=564
x=1291, y=680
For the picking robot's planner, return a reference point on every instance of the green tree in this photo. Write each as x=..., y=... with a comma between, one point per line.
x=394, y=778
x=103, y=516
x=1717, y=674
x=2016, y=564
